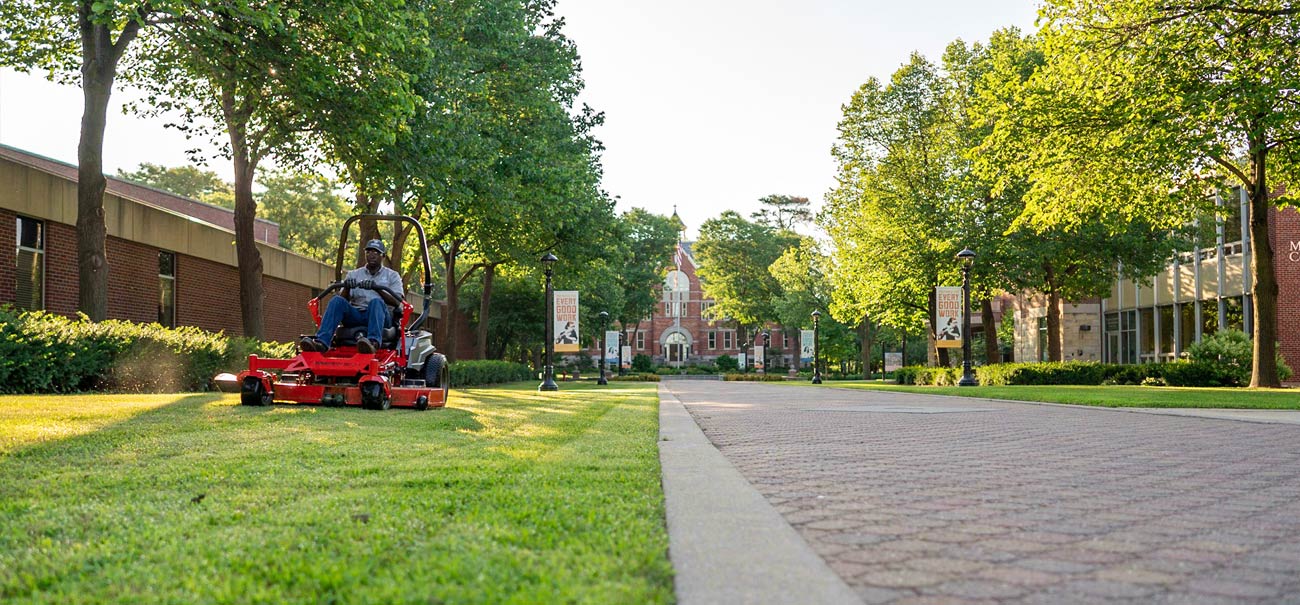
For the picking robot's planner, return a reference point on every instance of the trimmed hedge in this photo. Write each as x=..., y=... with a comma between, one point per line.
x=477, y=372
x=41, y=352
x=1181, y=373
x=639, y=377
x=754, y=377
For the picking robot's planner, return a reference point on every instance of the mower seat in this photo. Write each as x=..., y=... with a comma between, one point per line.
x=345, y=336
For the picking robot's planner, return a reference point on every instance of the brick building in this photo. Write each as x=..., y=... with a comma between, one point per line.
x=679, y=334
x=1199, y=293
x=172, y=260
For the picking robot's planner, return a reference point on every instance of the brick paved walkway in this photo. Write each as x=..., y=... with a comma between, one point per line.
x=922, y=499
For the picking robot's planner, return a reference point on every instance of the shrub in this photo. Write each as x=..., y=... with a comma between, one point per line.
x=727, y=363
x=42, y=352
x=642, y=363
x=754, y=377
x=1046, y=373
x=487, y=371
x=1233, y=351
x=907, y=375
x=639, y=377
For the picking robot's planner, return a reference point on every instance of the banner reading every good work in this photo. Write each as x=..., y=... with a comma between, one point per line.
x=566, y=321
x=947, y=316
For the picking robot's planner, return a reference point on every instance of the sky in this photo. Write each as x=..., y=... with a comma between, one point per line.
x=709, y=104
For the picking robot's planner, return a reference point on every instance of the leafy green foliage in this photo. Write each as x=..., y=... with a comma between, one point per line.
x=643, y=363
x=733, y=256
x=783, y=212
x=309, y=212
x=727, y=363
x=186, y=181
x=506, y=496
x=754, y=377
x=1232, y=351
x=45, y=353
x=637, y=377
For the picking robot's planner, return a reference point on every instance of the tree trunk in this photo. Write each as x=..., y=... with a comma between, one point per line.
x=100, y=56
x=1263, y=371
x=453, y=299
x=484, y=304
x=992, y=352
x=249, y=257
x=865, y=354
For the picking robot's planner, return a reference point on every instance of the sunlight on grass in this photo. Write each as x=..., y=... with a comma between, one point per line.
x=505, y=496
x=1109, y=396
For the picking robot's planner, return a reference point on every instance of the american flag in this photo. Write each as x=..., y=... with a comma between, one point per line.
x=677, y=257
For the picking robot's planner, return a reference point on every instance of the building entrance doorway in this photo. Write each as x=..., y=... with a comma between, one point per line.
x=677, y=349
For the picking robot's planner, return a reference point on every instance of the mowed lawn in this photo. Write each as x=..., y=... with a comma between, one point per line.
x=506, y=496
x=1108, y=396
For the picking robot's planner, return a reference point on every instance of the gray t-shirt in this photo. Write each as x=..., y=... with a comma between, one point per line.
x=386, y=277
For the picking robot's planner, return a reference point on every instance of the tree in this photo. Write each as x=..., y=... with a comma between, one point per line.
x=186, y=181
x=650, y=240
x=81, y=41
x=1143, y=107
x=1071, y=261
x=783, y=212
x=732, y=259
x=896, y=215
x=308, y=210
x=273, y=77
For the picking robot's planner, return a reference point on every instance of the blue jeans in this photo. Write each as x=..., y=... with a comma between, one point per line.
x=374, y=318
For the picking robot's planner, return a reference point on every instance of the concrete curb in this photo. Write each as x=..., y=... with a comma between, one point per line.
x=726, y=542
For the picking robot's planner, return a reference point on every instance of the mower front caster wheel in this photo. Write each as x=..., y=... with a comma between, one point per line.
x=253, y=392
x=373, y=397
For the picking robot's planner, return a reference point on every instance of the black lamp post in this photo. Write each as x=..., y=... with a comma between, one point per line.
x=967, y=258
x=604, y=319
x=817, y=370
x=767, y=351
x=548, y=370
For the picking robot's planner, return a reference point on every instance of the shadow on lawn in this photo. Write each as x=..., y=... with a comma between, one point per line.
x=200, y=416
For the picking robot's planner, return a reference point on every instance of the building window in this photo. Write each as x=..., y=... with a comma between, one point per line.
x=167, y=289
x=30, y=272
x=640, y=340
x=785, y=340
x=728, y=340
x=1167, y=332
x=1147, y=336
x=713, y=340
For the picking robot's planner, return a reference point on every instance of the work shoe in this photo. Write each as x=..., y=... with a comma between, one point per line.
x=309, y=343
x=366, y=345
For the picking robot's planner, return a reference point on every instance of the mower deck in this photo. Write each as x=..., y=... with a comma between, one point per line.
x=337, y=377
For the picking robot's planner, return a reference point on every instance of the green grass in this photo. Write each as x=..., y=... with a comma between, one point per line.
x=1108, y=396
x=507, y=496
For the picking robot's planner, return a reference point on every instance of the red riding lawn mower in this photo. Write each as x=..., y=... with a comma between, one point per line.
x=405, y=371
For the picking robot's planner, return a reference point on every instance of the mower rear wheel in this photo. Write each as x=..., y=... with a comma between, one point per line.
x=253, y=392
x=373, y=397
x=436, y=374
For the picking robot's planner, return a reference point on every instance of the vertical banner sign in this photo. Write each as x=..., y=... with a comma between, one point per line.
x=893, y=361
x=741, y=365
x=947, y=317
x=566, y=321
x=611, y=346
x=805, y=347
x=627, y=357
x=759, y=358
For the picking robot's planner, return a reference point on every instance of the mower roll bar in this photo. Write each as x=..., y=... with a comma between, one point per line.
x=424, y=256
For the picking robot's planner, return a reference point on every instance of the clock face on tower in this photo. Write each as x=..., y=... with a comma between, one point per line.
x=677, y=282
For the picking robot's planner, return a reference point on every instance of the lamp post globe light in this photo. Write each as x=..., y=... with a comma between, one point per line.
x=604, y=319
x=548, y=370
x=817, y=370
x=967, y=258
